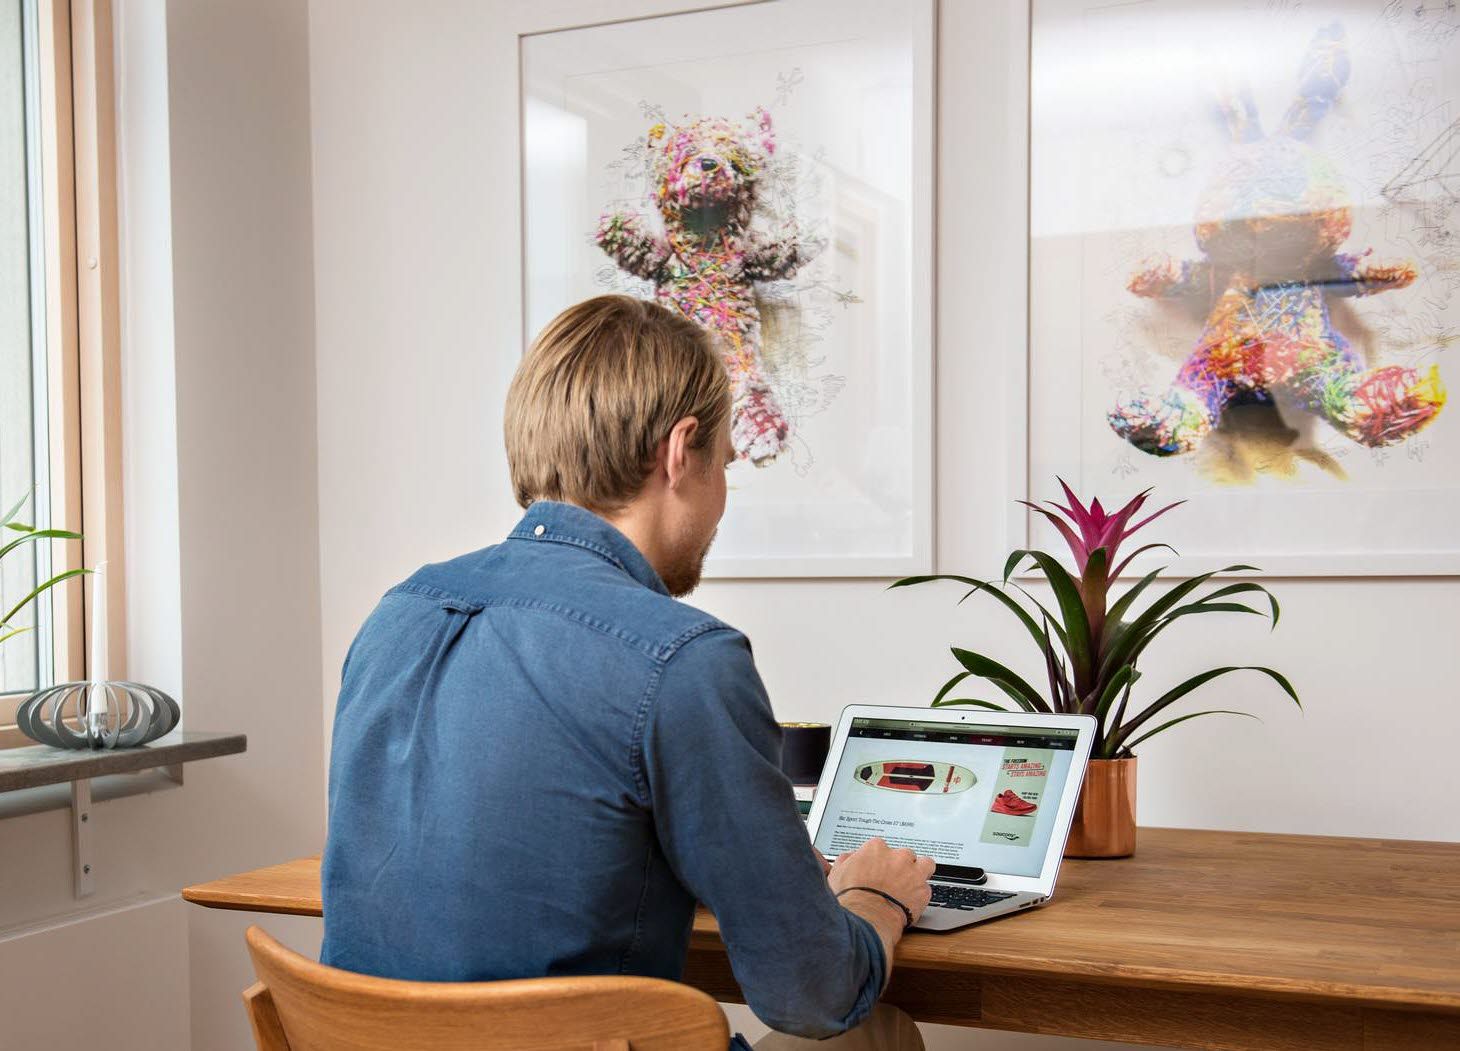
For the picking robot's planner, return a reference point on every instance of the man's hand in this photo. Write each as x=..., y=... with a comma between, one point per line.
x=898, y=872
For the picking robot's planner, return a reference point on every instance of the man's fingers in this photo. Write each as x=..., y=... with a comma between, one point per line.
x=926, y=866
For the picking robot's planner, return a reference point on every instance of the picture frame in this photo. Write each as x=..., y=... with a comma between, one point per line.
x=844, y=338
x=1130, y=166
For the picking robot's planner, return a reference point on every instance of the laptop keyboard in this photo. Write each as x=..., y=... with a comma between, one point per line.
x=949, y=897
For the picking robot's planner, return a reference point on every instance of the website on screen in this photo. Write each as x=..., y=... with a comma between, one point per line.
x=980, y=796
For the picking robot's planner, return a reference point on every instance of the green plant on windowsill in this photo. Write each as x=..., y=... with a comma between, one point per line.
x=1092, y=646
x=9, y=543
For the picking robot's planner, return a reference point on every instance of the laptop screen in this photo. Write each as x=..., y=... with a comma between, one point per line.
x=978, y=796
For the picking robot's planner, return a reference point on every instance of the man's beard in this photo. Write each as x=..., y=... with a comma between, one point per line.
x=683, y=577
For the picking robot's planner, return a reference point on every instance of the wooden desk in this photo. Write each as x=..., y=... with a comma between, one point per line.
x=1203, y=939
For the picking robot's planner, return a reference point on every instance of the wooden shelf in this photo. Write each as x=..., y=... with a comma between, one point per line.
x=37, y=765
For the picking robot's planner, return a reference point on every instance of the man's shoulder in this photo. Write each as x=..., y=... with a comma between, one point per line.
x=576, y=587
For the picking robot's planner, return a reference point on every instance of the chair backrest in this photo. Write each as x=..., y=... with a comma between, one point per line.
x=300, y=1005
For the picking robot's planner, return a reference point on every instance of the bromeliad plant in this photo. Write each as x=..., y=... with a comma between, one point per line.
x=1091, y=649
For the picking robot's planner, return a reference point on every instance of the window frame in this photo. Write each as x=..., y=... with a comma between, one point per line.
x=77, y=131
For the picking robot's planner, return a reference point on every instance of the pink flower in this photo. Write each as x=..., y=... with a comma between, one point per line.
x=1091, y=529
x=1097, y=528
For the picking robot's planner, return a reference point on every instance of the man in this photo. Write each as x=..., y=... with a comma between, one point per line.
x=541, y=760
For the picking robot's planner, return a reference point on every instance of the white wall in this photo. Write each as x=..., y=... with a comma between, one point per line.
x=418, y=320
x=113, y=977
x=243, y=283
x=223, y=589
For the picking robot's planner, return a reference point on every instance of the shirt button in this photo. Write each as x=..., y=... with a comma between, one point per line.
x=539, y=531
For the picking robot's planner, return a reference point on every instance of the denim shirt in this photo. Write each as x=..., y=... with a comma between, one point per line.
x=540, y=763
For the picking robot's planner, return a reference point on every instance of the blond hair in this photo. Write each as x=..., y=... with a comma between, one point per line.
x=600, y=388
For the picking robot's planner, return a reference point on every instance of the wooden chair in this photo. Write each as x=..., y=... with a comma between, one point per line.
x=300, y=1005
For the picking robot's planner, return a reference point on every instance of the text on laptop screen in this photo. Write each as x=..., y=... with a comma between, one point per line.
x=980, y=796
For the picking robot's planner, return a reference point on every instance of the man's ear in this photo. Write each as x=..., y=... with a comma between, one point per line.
x=679, y=450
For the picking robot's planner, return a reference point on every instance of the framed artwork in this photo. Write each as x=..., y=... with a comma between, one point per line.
x=1245, y=274
x=767, y=170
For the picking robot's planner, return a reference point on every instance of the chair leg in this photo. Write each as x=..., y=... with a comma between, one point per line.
x=268, y=1031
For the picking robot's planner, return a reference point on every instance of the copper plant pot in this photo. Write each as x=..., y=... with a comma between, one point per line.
x=1105, y=816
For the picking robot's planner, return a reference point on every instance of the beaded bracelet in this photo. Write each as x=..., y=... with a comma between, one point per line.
x=882, y=894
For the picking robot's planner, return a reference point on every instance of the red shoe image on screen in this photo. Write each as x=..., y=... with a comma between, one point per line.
x=1006, y=802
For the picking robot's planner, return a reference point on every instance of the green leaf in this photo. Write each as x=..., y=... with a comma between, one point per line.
x=949, y=685
x=1012, y=692
x=39, y=534
x=969, y=700
x=1182, y=719
x=1006, y=680
x=1210, y=607
x=19, y=527
x=1108, y=743
x=1059, y=683
x=1128, y=559
x=1177, y=692
x=907, y=582
x=1113, y=615
x=40, y=588
x=976, y=586
x=1246, y=587
x=15, y=508
x=1050, y=622
x=1009, y=604
x=1140, y=631
x=1125, y=677
x=1013, y=563
x=1072, y=612
x=14, y=632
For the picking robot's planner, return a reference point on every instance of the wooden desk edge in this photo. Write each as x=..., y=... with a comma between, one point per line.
x=241, y=893
x=293, y=888
x=705, y=939
x=200, y=895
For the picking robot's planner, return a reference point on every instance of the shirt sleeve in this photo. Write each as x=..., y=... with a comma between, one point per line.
x=727, y=820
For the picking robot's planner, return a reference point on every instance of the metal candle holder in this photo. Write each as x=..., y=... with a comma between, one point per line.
x=102, y=715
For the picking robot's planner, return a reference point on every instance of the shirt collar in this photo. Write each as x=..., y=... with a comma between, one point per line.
x=548, y=520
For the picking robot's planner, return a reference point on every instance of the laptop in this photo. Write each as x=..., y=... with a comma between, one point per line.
x=988, y=795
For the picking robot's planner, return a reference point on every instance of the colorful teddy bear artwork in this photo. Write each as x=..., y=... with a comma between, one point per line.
x=1270, y=224
x=709, y=258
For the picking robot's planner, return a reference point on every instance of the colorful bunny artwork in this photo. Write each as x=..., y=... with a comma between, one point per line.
x=1270, y=225
x=708, y=259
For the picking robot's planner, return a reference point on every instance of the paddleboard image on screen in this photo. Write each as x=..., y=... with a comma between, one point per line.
x=916, y=775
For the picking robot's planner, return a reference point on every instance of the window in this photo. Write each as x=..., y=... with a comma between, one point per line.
x=25, y=661
x=59, y=333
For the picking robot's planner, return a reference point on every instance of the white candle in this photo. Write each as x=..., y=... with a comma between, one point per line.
x=96, y=670
x=96, y=715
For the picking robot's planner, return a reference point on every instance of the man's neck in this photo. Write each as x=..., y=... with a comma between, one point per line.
x=636, y=523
